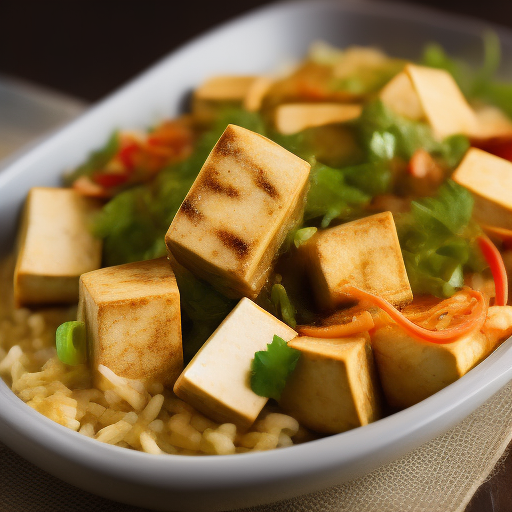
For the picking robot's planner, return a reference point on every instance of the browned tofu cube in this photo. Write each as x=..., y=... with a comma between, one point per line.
x=489, y=178
x=411, y=370
x=364, y=253
x=248, y=195
x=443, y=103
x=55, y=246
x=221, y=91
x=333, y=387
x=133, y=321
x=295, y=117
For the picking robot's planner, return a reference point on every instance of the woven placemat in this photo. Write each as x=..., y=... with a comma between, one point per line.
x=440, y=476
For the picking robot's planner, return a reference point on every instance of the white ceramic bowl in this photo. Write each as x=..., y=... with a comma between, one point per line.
x=257, y=42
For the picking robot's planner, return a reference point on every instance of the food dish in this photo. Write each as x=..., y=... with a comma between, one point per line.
x=403, y=444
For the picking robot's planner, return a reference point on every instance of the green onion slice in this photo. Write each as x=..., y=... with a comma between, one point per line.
x=71, y=343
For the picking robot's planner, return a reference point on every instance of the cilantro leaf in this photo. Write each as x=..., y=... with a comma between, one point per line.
x=271, y=368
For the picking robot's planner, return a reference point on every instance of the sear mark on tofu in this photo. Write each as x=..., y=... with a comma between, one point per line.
x=227, y=147
x=210, y=181
x=261, y=181
x=191, y=211
x=234, y=242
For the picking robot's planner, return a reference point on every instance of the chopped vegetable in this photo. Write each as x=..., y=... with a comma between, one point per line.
x=437, y=241
x=71, y=343
x=282, y=304
x=360, y=323
x=301, y=236
x=499, y=272
x=471, y=322
x=270, y=368
x=330, y=197
x=203, y=309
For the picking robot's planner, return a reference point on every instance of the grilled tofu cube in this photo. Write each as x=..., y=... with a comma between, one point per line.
x=217, y=380
x=411, y=370
x=222, y=91
x=133, y=320
x=489, y=178
x=55, y=246
x=248, y=195
x=333, y=387
x=295, y=117
x=364, y=253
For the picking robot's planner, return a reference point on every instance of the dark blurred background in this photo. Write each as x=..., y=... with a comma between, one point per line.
x=87, y=48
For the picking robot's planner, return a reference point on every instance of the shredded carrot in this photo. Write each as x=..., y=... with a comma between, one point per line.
x=360, y=323
x=498, y=270
x=473, y=321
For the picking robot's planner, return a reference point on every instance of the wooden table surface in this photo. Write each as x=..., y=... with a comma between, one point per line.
x=87, y=48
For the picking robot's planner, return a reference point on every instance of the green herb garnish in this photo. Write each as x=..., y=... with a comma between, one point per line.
x=271, y=368
x=282, y=304
x=71, y=343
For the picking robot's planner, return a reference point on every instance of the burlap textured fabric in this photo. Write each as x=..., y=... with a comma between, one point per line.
x=440, y=476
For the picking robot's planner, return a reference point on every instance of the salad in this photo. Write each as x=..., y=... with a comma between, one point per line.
x=297, y=256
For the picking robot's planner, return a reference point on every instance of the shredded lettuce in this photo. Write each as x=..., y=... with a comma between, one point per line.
x=437, y=241
x=271, y=368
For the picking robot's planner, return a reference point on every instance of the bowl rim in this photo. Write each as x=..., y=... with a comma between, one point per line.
x=323, y=455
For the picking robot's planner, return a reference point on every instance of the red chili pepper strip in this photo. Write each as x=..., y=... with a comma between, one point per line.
x=109, y=180
x=474, y=320
x=360, y=323
x=499, y=272
x=126, y=155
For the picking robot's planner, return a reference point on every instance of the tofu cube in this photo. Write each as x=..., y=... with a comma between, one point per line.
x=333, y=387
x=248, y=195
x=133, y=321
x=55, y=246
x=400, y=96
x=294, y=117
x=444, y=105
x=256, y=93
x=411, y=370
x=364, y=253
x=217, y=380
x=222, y=91
x=489, y=179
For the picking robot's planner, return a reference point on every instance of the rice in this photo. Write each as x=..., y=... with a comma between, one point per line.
x=119, y=411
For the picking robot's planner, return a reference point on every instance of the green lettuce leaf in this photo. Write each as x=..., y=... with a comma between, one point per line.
x=437, y=239
x=271, y=368
x=330, y=197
